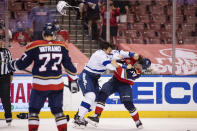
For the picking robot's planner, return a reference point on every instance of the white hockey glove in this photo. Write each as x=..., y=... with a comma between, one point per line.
x=61, y=7
x=73, y=86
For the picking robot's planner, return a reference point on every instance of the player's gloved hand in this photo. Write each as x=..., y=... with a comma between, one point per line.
x=129, y=66
x=73, y=86
x=11, y=66
x=22, y=116
x=68, y=118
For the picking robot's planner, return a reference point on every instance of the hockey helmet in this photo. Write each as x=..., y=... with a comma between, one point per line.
x=61, y=7
x=146, y=63
x=49, y=29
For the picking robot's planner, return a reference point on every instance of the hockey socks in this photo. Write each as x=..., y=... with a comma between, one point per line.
x=99, y=108
x=33, y=122
x=84, y=108
x=134, y=114
x=61, y=121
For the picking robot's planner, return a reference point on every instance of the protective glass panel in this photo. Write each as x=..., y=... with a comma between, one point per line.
x=186, y=37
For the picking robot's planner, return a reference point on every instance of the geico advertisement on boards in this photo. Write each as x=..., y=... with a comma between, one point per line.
x=149, y=94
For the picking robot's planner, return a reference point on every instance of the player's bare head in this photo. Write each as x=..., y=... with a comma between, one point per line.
x=107, y=46
x=49, y=31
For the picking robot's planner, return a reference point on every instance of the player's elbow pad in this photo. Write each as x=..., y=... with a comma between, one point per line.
x=12, y=66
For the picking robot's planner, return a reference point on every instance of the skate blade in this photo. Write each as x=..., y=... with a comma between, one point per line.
x=95, y=124
x=140, y=127
x=9, y=124
x=78, y=126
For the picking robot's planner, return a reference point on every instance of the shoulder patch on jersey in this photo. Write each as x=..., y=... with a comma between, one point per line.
x=45, y=43
x=62, y=44
x=35, y=44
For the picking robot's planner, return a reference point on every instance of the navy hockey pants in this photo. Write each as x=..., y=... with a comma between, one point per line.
x=88, y=82
x=114, y=85
x=38, y=98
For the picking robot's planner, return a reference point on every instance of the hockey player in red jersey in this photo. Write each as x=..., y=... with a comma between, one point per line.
x=120, y=82
x=48, y=57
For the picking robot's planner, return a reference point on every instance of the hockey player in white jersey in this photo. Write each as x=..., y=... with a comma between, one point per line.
x=99, y=62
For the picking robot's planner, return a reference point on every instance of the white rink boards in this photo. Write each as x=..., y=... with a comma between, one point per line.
x=154, y=96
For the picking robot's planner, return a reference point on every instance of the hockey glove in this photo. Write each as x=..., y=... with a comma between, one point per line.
x=73, y=86
x=22, y=116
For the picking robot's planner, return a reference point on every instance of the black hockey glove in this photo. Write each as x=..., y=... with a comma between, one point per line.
x=22, y=116
x=73, y=86
x=68, y=118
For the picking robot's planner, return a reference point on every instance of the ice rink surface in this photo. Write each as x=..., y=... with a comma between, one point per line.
x=112, y=124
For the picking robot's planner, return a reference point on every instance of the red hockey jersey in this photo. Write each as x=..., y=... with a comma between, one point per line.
x=127, y=75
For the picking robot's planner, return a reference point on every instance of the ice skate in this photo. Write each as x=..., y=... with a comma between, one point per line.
x=93, y=120
x=9, y=121
x=79, y=123
x=139, y=125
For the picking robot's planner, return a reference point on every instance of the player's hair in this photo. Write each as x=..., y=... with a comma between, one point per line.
x=105, y=45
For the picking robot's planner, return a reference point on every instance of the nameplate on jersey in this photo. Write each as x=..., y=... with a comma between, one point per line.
x=50, y=49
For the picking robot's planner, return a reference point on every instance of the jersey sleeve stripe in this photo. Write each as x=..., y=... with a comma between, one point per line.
x=72, y=73
x=36, y=44
x=49, y=77
x=106, y=62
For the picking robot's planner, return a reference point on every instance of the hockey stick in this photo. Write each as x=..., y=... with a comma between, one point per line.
x=31, y=73
x=24, y=115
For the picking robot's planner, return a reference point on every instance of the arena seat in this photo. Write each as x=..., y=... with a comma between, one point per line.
x=131, y=33
x=144, y=18
x=120, y=39
x=191, y=19
x=149, y=33
x=15, y=6
x=130, y=18
x=155, y=26
x=189, y=40
x=156, y=15
x=138, y=40
x=154, y=41
x=158, y=10
x=138, y=26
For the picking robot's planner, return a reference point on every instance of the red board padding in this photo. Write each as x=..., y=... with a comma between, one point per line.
x=78, y=58
x=161, y=54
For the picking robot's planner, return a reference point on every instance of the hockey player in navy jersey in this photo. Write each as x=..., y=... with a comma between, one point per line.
x=99, y=62
x=48, y=57
x=120, y=82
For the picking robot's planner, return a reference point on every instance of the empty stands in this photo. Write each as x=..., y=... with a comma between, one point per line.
x=150, y=21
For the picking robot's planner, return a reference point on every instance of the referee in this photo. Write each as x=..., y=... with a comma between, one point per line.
x=5, y=78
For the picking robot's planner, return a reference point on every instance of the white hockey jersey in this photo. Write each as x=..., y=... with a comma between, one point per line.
x=100, y=61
